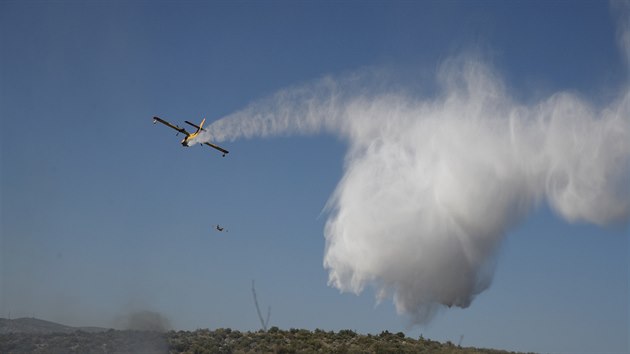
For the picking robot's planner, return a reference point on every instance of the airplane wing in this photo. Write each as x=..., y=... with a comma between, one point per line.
x=218, y=148
x=181, y=130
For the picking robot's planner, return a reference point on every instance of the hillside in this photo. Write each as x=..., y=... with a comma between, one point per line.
x=222, y=341
x=36, y=326
x=305, y=341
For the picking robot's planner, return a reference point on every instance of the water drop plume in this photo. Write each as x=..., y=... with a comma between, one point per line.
x=431, y=184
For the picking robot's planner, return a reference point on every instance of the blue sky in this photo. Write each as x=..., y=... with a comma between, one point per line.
x=104, y=214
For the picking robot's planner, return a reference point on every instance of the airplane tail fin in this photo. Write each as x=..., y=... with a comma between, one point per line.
x=199, y=127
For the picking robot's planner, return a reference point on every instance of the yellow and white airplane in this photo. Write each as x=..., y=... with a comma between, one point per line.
x=189, y=136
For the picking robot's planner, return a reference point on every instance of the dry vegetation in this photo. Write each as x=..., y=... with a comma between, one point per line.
x=226, y=341
x=111, y=341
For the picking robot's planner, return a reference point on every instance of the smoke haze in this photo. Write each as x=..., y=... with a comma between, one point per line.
x=431, y=185
x=146, y=321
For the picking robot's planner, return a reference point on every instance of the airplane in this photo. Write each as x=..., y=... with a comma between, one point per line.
x=220, y=229
x=189, y=136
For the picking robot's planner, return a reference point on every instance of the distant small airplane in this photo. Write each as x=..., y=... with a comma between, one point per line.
x=220, y=229
x=189, y=136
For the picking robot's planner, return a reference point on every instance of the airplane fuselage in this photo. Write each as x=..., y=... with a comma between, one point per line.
x=186, y=140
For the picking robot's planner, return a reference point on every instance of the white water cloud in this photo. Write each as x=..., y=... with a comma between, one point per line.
x=432, y=185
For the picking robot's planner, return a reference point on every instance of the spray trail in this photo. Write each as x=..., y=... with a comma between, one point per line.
x=431, y=186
